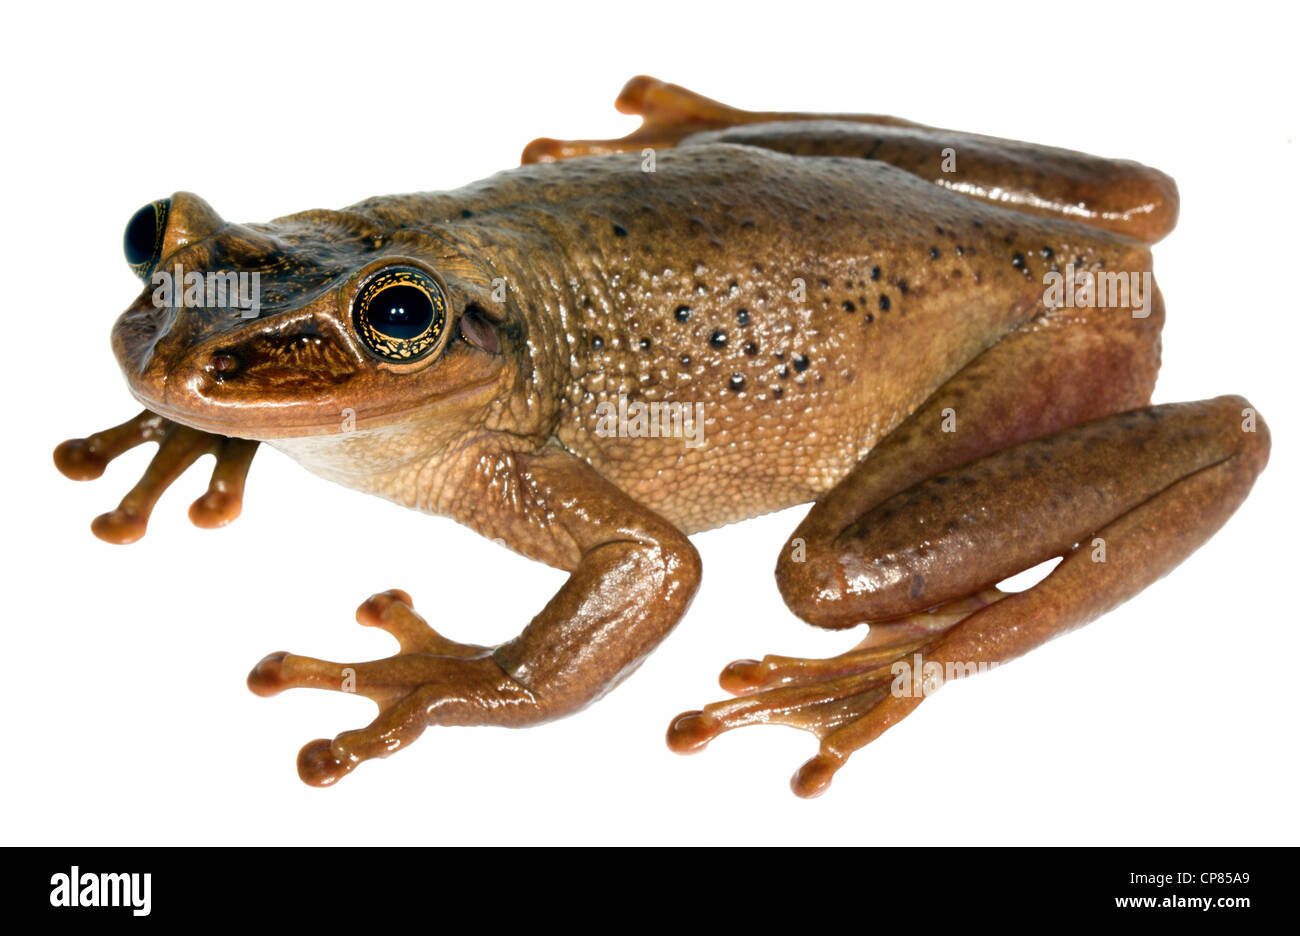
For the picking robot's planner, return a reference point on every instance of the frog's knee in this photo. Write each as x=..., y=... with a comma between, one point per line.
x=818, y=588
x=1251, y=440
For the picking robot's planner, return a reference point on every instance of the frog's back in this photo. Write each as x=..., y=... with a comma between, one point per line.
x=801, y=306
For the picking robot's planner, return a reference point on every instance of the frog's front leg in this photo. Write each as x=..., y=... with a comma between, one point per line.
x=633, y=575
x=1123, y=499
x=178, y=448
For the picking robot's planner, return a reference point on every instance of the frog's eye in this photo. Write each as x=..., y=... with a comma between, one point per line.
x=143, y=240
x=400, y=314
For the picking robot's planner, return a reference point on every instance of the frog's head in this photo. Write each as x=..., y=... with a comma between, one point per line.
x=312, y=324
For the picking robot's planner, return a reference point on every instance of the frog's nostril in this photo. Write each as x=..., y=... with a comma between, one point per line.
x=223, y=365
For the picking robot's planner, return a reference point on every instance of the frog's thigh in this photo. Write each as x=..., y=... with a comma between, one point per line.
x=1053, y=372
x=1056, y=371
x=1123, y=499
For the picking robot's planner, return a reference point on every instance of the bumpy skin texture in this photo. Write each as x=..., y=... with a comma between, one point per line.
x=821, y=288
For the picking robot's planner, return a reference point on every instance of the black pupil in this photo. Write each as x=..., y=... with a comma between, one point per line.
x=141, y=236
x=401, y=312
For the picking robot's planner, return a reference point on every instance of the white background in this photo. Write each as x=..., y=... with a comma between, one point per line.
x=124, y=712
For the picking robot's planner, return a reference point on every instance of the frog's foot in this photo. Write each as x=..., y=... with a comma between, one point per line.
x=847, y=701
x=668, y=113
x=178, y=448
x=432, y=681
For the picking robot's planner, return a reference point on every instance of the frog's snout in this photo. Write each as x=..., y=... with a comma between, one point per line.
x=197, y=366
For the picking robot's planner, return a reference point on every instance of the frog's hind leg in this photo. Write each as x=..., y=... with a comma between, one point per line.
x=1050, y=459
x=1112, y=194
x=669, y=113
x=1122, y=499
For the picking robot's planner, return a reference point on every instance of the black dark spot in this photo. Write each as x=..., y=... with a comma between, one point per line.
x=870, y=318
x=597, y=342
x=849, y=306
x=718, y=339
x=934, y=253
x=875, y=272
x=751, y=349
x=1018, y=261
x=737, y=382
x=884, y=303
x=685, y=360
x=742, y=316
x=682, y=313
x=777, y=393
x=902, y=286
x=961, y=251
x=645, y=344
x=466, y=213
x=620, y=231
x=783, y=371
x=1048, y=253
x=800, y=362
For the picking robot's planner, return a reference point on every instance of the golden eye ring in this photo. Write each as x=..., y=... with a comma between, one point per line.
x=399, y=313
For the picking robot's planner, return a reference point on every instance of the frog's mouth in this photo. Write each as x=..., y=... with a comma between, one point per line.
x=298, y=373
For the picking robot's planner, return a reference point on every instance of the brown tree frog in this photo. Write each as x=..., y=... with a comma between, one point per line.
x=946, y=342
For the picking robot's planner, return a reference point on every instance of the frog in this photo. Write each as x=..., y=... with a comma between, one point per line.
x=852, y=311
